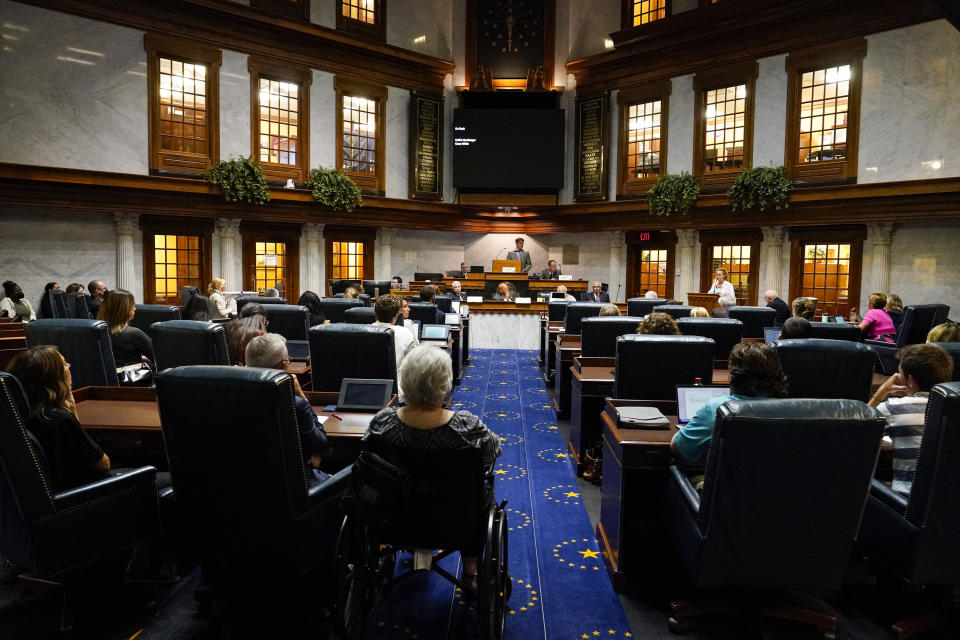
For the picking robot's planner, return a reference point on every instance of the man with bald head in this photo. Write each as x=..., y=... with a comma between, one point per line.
x=97, y=290
x=596, y=294
x=778, y=305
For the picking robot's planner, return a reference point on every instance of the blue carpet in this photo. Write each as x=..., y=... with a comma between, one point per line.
x=560, y=587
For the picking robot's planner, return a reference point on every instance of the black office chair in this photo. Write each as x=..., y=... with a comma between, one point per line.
x=334, y=308
x=425, y=312
x=675, y=311
x=85, y=344
x=77, y=306
x=557, y=310
x=147, y=314
x=643, y=306
x=785, y=486
x=374, y=288
x=754, y=319
x=443, y=303
x=835, y=331
x=52, y=533
x=649, y=367
x=187, y=292
x=289, y=320
x=916, y=535
x=351, y=351
x=576, y=311
x=725, y=332
x=178, y=343
x=953, y=348
x=918, y=319
x=359, y=315
x=817, y=368
x=262, y=518
x=598, y=335
x=242, y=300
x=57, y=304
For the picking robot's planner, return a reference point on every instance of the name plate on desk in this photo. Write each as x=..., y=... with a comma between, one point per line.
x=475, y=299
x=564, y=277
x=522, y=300
x=508, y=270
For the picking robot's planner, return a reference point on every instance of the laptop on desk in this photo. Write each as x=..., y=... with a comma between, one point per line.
x=298, y=350
x=364, y=394
x=691, y=398
x=771, y=334
x=435, y=332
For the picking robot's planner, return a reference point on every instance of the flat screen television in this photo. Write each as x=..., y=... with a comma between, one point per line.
x=512, y=149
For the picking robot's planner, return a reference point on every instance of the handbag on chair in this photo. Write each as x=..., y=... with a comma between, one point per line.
x=138, y=374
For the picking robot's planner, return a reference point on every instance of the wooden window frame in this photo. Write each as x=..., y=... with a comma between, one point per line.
x=153, y=225
x=376, y=184
x=253, y=232
x=658, y=241
x=633, y=187
x=626, y=14
x=843, y=234
x=702, y=82
x=296, y=9
x=752, y=237
x=366, y=235
x=376, y=31
x=287, y=73
x=179, y=162
x=849, y=52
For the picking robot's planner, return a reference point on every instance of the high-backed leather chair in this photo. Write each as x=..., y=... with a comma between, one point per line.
x=85, y=344
x=557, y=310
x=643, y=306
x=576, y=311
x=147, y=314
x=339, y=286
x=425, y=312
x=262, y=516
x=725, y=332
x=360, y=315
x=57, y=303
x=444, y=303
x=598, y=335
x=242, y=300
x=817, y=368
x=754, y=319
x=351, y=351
x=49, y=531
x=289, y=320
x=649, y=367
x=675, y=311
x=835, y=331
x=374, y=288
x=776, y=513
x=918, y=319
x=187, y=292
x=77, y=306
x=334, y=308
x=953, y=348
x=178, y=343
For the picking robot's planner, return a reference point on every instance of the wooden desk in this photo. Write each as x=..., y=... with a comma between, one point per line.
x=567, y=348
x=465, y=342
x=554, y=329
x=543, y=339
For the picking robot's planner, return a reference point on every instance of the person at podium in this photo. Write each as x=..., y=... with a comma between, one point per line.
x=551, y=272
x=503, y=294
x=521, y=255
x=724, y=289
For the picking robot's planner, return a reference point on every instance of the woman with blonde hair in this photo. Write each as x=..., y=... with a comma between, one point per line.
x=130, y=344
x=659, y=323
x=218, y=303
x=699, y=312
x=351, y=293
x=946, y=332
x=894, y=309
x=609, y=309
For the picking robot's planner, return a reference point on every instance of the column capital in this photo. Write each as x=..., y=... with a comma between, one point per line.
x=226, y=227
x=880, y=232
x=126, y=224
x=773, y=235
x=686, y=238
x=313, y=231
x=617, y=239
x=386, y=234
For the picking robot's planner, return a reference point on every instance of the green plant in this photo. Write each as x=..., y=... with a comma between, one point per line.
x=240, y=180
x=761, y=187
x=673, y=195
x=334, y=189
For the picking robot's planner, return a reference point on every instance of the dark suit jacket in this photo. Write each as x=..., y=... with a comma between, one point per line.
x=601, y=297
x=93, y=304
x=782, y=309
x=546, y=275
x=461, y=298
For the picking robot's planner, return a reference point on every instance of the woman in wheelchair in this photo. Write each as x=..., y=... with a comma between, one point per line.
x=423, y=423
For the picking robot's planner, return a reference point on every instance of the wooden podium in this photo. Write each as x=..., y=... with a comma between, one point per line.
x=706, y=300
x=498, y=265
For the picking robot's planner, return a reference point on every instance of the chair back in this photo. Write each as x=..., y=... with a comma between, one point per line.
x=817, y=368
x=339, y=286
x=242, y=300
x=57, y=299
x=643, y=306
x=359, y=315
x=178, y=343
x=835, y=331
x=952, y=348
x=374, y=288
x=598, y=335
x=777, y=512
x=754, y=319
x=918, y=319
x=649, y=367
x=85, y=344
x=147, y=314
x=334, y=308
x=187, y=292
x=576, y=312
x=557, y=310
x=351, y=351
x=725, y=332
x=77, y=306
x=443, y=303
x=675, y=311
x=425, y=312
x=289, y=320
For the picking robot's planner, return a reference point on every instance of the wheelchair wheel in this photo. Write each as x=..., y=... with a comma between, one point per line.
x=355, y=587
x=495, y=586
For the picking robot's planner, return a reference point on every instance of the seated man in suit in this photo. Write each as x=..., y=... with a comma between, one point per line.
x=456, y=291
x=396, y=282
x=778, y=305
x=427, y=294
x=97, y=291
x=503, y=294
x=596, y=294
x=521, y=255
x=551, y=272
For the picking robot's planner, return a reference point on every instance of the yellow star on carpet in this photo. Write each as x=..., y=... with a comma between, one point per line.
x=612, y=632
x=589, y=553
x=501, y=415
x=596, y=633
x=561, y=455
x=572, y=494
x=627, y=634
x=500, y=472
x=584, y=636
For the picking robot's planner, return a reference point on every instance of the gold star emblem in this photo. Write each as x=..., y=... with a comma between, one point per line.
x=561, y=455
x=596, y=633
x=500, y=472
x=588, y=553
x=572, y=494
x=612, y=632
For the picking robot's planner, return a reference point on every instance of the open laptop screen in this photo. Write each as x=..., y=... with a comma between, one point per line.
x=360, y=394
x=771, y=334
x=298, y=350
x=691, y=398
x=435, y=332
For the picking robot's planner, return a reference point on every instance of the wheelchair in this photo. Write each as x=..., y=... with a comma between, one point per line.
x=418, y=500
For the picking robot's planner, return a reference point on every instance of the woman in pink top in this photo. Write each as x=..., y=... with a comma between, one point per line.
x=877, y=324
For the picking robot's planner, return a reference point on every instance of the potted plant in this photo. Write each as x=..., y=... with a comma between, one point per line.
x=761, y=187
x=334, y=189
x=240, y=180
x=673, y=194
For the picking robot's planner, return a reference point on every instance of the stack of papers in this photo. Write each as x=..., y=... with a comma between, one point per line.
x=643, y=418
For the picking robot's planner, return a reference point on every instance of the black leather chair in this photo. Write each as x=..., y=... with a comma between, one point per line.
x=242, y=300
x=817, y=368
x=953, y=348
x=598, y=335
x=351, y=351
x=334, y=308
x=557, y=310
x=835, y=331
x=776, y=512
x=359, y=315
x=425, y=312
x=147, y=314
x=339, y=286
x=444, y=303
x=178, y=343
x=57, y=303
x=85, y=344
x=576, y=311
x=262, y=516
x=187, y=292
x=649, y=367
x=52, y=533
x=725, y=332
x=77, y=306
x=675, y=311
x=918, y=319
x=754, y=319
x=289, y=320
x=643, y=306
x=374, y=288
x=916, y=535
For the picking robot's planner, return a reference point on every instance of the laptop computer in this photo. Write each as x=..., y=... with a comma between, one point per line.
x=771, y=334
x=435, y=332
x=452, y=319
x=476, y=268
x=364, y=394
x=690, y=398
x=455, y=306
x=298, y=350
x=839, y=319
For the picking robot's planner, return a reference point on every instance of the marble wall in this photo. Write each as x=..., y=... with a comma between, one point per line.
x=425, y=26
x=234, y=106
x=323, y=121
x=770, y=112
x=426, y=251
x=397, y=141
x=924, y=265
x=679, y=128
x=588, y=25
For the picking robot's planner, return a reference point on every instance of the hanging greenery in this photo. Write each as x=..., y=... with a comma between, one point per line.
x=334, y=189
x=240, y=180
x=673, y=195
x=761, y=187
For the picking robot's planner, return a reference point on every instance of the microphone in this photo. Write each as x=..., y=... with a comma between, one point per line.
x=497, y=254
x=616, y=297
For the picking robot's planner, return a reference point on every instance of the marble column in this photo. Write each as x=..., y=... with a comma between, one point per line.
x=311, y=256
x=615, y=279
x=227, y=233
x=880, y=235
x=126, y=226
x=686, y=278
x=772, y=276
x=385, y=237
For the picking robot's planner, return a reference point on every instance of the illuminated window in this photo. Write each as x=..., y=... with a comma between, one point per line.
x=724, y=128
x=653, y=271
x=736, y=260
x=176, y=263
x=641, y=153
x=347, y=260
x=360, y=10
x=645, y=11
x=360, y=137
x=824, y=103
x=279, y=108
x=270, y=267
x=183, y=106
x=643, y=140
x=363, y=18
x=826, y=277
